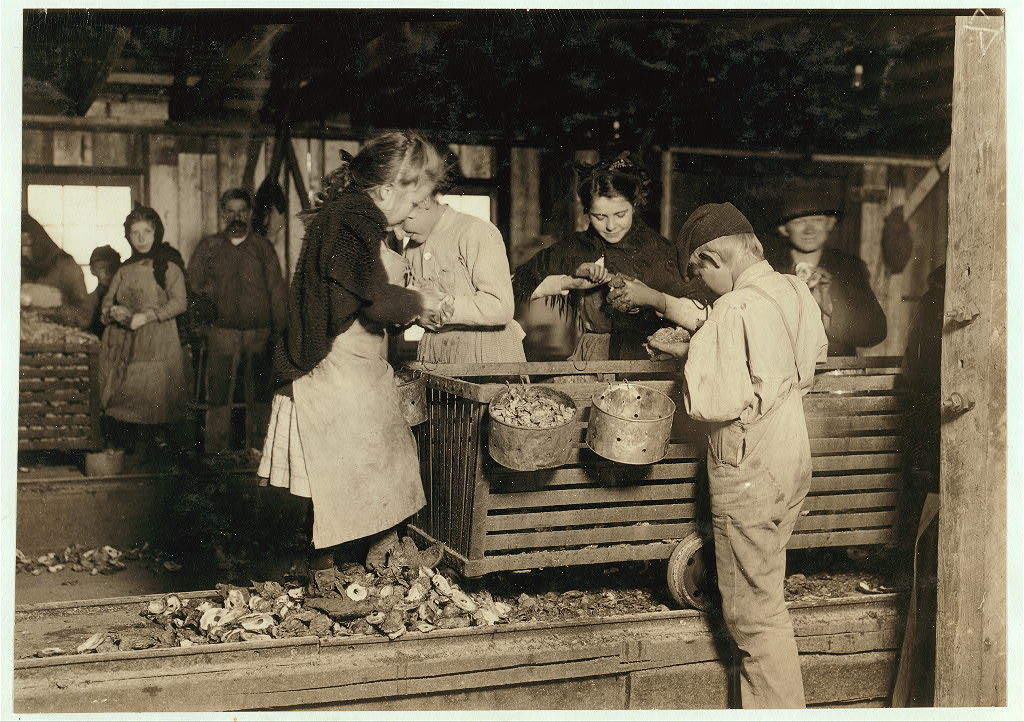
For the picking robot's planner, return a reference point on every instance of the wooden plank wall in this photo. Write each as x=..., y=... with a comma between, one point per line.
x=183, y=175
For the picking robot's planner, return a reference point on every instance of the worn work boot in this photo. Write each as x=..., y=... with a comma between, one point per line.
x=380, y=545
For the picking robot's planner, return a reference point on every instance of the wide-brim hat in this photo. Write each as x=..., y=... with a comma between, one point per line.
x=811, y=197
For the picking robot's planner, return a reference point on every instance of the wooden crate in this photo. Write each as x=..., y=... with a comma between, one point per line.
x=58, y=397
x=593, y=510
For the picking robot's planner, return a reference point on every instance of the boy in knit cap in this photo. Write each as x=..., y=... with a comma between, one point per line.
x=750, y=361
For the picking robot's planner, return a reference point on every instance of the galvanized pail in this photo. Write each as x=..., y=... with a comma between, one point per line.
x=630, y=424
x=526, y=449
x=412, y=394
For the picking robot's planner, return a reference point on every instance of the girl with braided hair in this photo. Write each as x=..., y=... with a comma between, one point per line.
x=617, y=242
x=337, y=435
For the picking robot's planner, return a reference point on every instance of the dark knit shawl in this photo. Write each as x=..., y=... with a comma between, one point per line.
x=333, y=279
x=161, y=254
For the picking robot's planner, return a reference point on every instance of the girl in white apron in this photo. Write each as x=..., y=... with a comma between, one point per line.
x=337, y=434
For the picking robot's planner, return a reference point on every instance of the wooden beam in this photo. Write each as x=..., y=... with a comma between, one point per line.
x=970, y=630
x=924, y=187
x=911, y=161
x=117, y=44
x=234, y=59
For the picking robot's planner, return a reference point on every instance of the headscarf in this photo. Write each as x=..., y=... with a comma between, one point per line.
x=160, y=253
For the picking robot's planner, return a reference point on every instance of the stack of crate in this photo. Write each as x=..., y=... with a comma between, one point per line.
x=58, y=397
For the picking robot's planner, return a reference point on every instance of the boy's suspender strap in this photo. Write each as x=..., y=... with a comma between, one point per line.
x=785, y=322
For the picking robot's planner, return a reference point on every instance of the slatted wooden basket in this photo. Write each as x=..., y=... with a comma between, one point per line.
x=594, y=511
x=58, y=397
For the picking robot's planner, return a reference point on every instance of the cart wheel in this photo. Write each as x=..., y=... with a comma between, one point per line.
x=688, y=578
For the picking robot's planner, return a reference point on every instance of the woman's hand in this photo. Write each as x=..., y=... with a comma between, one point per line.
x=637, y=293
x=431, y=316
x=120, y=314
x=595, y=273
x=138, y=320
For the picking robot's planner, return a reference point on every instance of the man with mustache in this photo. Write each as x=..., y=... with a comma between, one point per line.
x=238, y=271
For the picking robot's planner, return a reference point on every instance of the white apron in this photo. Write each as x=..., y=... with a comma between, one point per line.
x=343, y=441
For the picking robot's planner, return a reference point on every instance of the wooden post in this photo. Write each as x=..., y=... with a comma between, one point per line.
x=970, y=659
x=524, y=221
x=666, y=193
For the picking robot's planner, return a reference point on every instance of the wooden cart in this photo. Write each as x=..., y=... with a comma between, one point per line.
x=595, y=511
x=58, y=397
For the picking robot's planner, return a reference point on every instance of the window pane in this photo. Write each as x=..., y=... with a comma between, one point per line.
x=413, y=333
x=79, y=240
x=80, y=218
x=45, y=204
x=113, y=236
x=80, y=205
x=56, y=233
x=479, y=206
x=113, y=204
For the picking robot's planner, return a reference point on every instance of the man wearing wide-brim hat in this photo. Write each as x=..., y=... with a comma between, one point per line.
x=838, y=282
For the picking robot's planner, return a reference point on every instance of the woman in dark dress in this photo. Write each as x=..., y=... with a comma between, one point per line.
x=617, y=241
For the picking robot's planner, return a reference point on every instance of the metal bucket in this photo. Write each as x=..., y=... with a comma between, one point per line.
x=524, y=449
x=412, y=395
x=630, y=424
x=104, y=463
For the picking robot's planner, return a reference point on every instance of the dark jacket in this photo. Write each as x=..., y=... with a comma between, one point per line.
x=333, y=280
x=857, y=317
x=643, y=253
x=244, y=282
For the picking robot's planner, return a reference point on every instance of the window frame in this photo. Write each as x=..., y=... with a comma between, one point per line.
x=122, y=178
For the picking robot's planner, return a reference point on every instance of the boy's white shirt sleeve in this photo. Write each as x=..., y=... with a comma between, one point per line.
x=718, y=386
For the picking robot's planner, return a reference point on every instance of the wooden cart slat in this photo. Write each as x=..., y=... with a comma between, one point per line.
x=602, y=535
x=534, y=520
x=592, y=495
x=855, y=482
x=838, y=425
x=854, y=383
x=811, y=540
x=524, y=480
x=856, y=444
x=851, y=501
x=853, y=520
x=846, y=462
x=835, y=404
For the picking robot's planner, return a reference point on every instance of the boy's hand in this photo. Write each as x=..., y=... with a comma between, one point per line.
x=636, y=293
x=672, y=341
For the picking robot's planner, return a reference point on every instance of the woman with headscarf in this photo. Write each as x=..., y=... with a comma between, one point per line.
x=142, y=376
x=53, y=284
